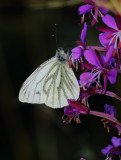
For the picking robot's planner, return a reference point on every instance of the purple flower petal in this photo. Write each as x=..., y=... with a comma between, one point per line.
x=112, y=75
x=109, y=21
x=105, y=29
x=91, y=57
x=85, y=8
x=104, y=11
x=77, y=52
x=103, y=60
x=116, y=141
x=109, y=55
x=106, y=150
x=79, y=107
x=110, y=110
x=103, y=40
x=70, y=111
x=83, y=34
x=85, y=77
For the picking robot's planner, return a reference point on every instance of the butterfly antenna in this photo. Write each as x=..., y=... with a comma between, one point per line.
x=55, y=35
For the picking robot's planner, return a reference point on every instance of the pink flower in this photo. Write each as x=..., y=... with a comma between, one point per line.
x=99, y=65
x=111, y=35
x=112, y=150
x=90, y=7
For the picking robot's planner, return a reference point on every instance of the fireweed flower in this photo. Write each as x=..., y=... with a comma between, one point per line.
x=90, y=7
x=111, y=111
x=111, y=35
x=99, y=65
x=85, y=93
x=78, y=51
x=112, y=150
x=75, y=108
x=73, y=111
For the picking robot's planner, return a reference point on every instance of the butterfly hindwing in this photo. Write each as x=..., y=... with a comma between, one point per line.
x=60, y=84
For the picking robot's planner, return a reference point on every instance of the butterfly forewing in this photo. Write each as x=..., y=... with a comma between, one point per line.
x=32, y=88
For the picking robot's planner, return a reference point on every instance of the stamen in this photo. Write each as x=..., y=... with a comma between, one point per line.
x=119, y=133
x=101, y=15
x=77, y=120
x=108, y=129
x=112, y=39
x=82, y=19
x=115, y=40
x=76, y=65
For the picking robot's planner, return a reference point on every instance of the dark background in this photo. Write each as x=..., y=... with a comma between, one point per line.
x=36, y=132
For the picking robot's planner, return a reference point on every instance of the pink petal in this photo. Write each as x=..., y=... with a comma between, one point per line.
x=77, y=52
x=105, y=29
x=110, y=22
x=84, y=9
x=83, y=34
x=91, y=57
x=112, y=75
x=103, y=40
x=79, y=107
x=109, y=55
x=85, y=77
x=116, y=141
x=106, y=150
x=104, y=11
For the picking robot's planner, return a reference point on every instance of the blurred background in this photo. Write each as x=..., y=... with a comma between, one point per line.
x=36, y=132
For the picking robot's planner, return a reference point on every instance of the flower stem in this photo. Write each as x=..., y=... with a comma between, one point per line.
x=97, y=48
x=108, y=93
x=105, y=116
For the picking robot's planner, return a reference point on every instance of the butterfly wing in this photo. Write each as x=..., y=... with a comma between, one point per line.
x=32, y=89
x=60, y=84
x=51, y=83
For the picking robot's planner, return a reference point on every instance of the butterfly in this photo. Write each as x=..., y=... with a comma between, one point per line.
x=52, y=83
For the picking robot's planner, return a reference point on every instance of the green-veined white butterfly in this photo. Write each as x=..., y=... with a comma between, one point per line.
x=52, y=83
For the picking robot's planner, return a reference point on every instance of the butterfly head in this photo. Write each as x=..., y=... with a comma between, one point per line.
x=61, y=56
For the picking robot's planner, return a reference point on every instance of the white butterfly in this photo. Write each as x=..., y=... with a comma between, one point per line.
x=52, y=83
